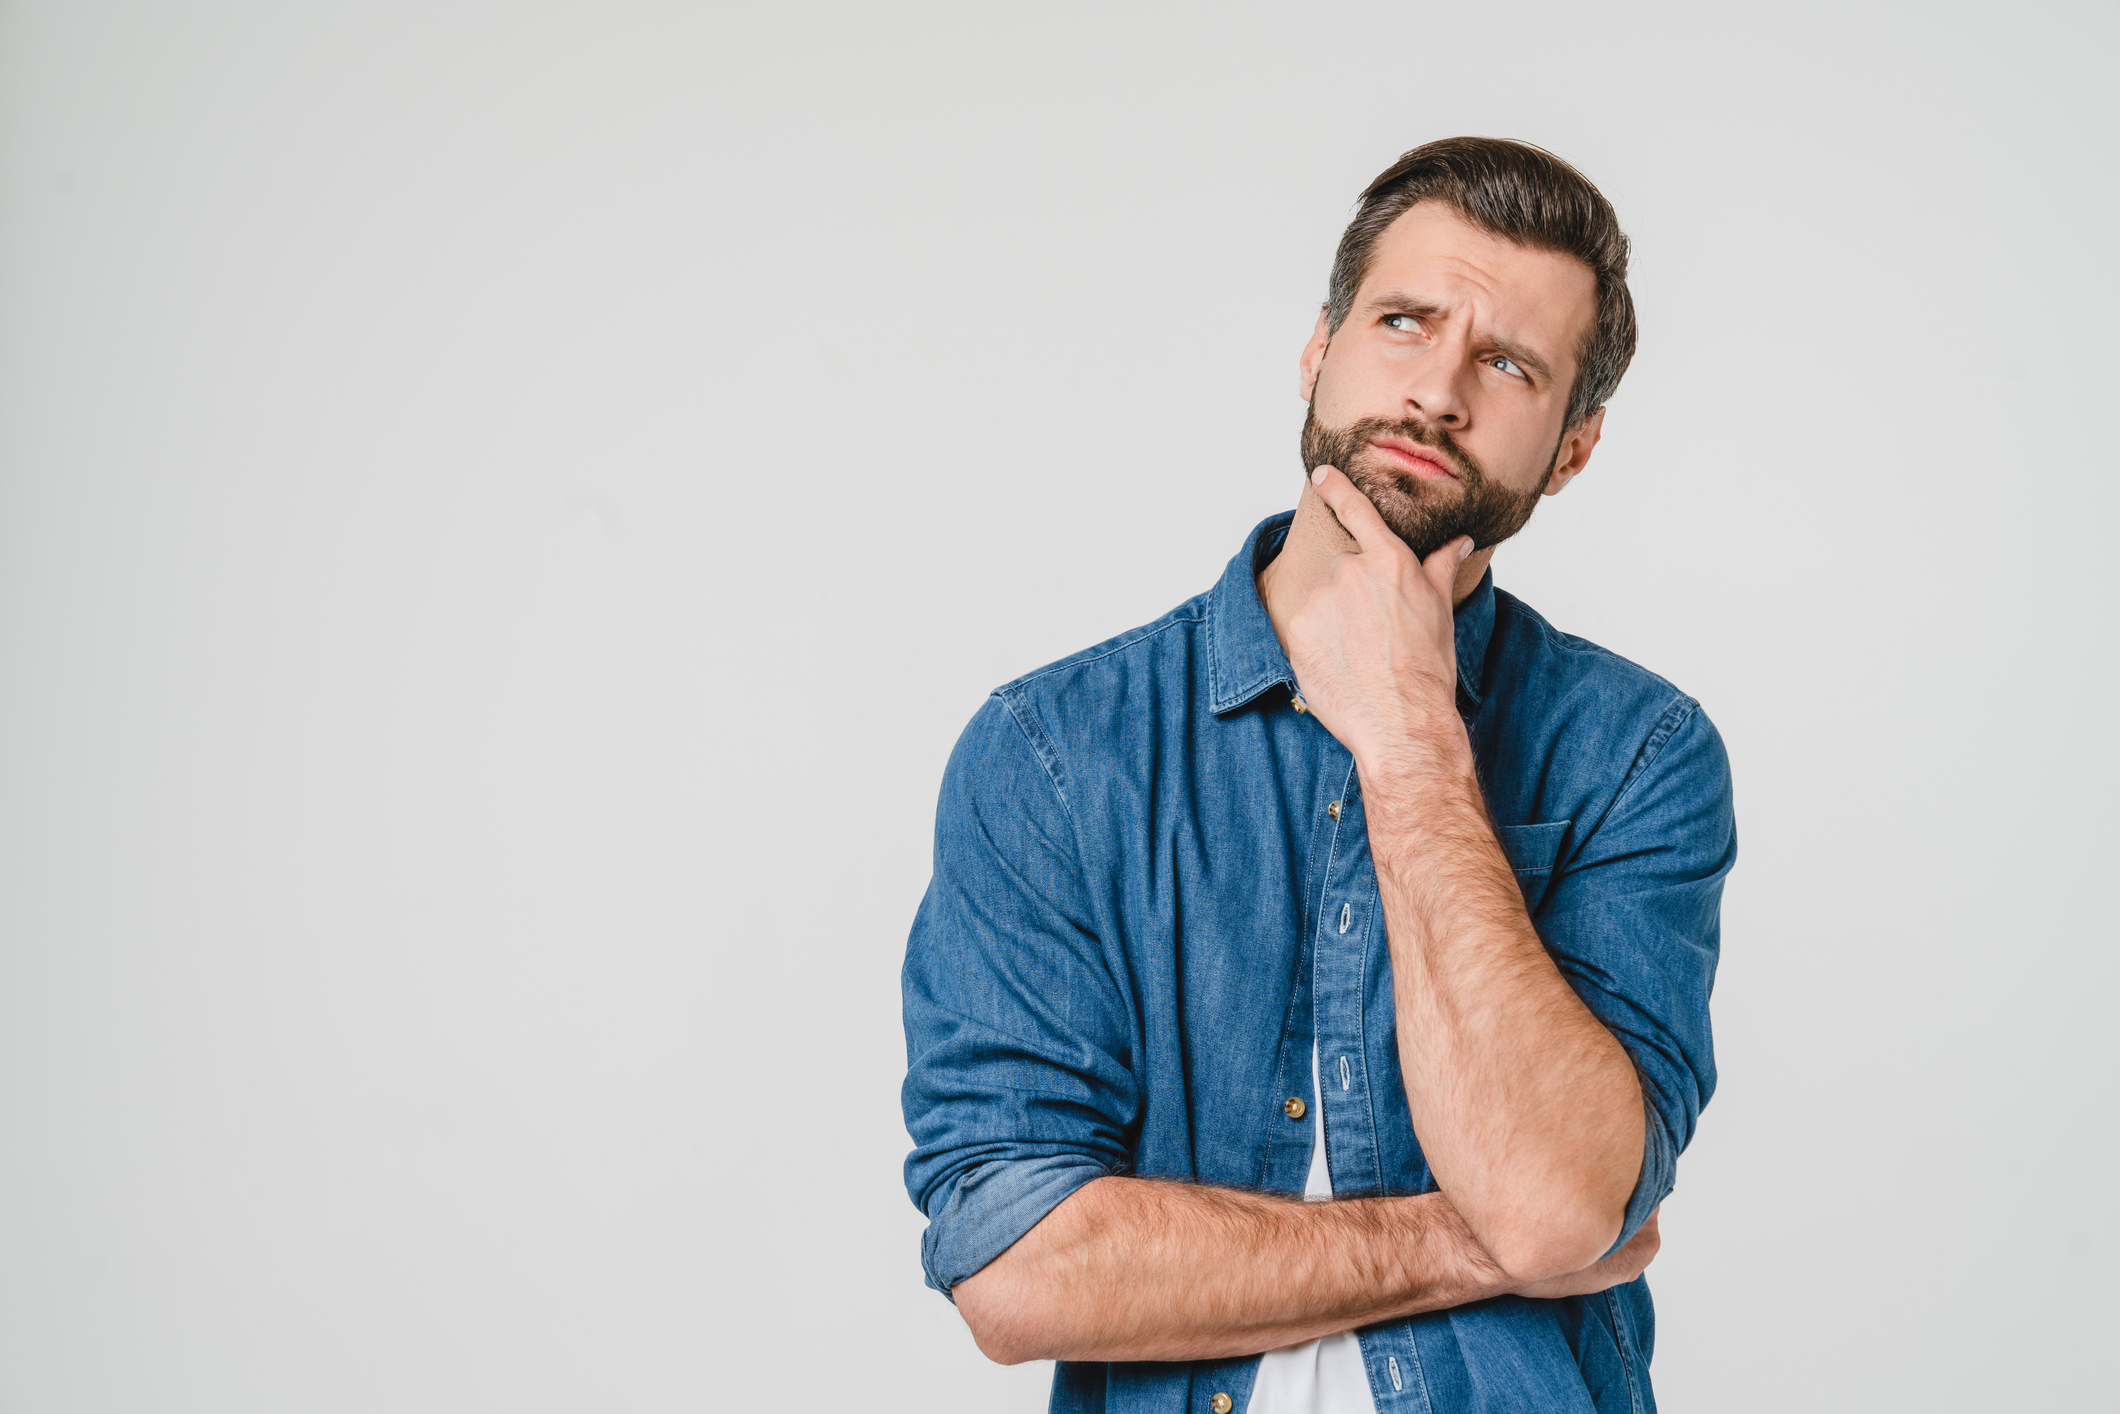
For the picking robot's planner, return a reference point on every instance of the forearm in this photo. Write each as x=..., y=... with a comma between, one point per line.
x=1133, y=1269
x=1529, y=1110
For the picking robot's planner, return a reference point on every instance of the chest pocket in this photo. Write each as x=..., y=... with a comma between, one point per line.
x=1532, y=851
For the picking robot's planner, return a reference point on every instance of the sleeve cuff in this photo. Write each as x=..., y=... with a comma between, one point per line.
x=1659, y=1174
x=991, y=1206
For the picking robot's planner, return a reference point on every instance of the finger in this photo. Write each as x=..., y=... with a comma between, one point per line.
x=1441, y=567
x=1352, y=509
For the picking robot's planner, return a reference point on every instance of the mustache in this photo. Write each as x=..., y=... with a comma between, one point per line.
x=1425, y=515
x=1368, y=429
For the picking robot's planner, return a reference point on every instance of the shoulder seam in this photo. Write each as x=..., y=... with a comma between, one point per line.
x=1048, y=756
x=1667, y=726
x=1562, y=642
x=1141, y=635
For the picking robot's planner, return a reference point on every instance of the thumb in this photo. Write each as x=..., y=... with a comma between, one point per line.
x=1442, y=566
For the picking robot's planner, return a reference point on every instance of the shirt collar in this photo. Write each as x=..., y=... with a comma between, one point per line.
x=1245, y=656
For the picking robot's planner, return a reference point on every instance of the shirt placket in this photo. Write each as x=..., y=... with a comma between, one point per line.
x=1350, y=926
x=1346, y=904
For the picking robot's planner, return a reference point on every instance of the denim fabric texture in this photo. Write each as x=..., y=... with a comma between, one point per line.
x=1152, y=886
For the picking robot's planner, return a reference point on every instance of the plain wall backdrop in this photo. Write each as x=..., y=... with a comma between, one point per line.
x=504, y=509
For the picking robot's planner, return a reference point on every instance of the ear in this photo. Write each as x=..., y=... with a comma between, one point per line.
x=1313, y=358
x=1575, y=449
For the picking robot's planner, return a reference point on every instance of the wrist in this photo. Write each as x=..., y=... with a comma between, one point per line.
x=1417, y=766
x=1458, y=1269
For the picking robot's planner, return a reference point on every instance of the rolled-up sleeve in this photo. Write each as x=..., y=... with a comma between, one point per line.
x=1017, y=1088
x=1633, y=921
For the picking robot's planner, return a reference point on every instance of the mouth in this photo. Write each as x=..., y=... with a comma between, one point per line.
x=1415, y=458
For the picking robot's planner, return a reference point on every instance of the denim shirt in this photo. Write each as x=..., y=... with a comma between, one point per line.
x=1153, y=887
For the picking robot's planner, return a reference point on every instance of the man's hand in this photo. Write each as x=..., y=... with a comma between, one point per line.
x=1374, y=647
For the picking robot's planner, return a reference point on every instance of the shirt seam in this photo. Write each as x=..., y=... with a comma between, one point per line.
x=1563, y=642
x=1048, y=761
x=1142, y=635
x=1673, y=718
x=1676, y=712
x=1021, y=713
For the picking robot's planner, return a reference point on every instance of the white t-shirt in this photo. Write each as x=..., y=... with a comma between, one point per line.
x=1319, y=1376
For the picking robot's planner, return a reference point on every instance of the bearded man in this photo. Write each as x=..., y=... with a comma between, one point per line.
x=1351, y=880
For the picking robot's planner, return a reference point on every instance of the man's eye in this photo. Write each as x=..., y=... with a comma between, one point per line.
x=1509, y=367
x=1404, y=323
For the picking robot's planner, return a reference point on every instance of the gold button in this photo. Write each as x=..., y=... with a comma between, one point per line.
x=1301, y=706
x=1220, y=1404
x=1333, y=810
x=1294, y=1107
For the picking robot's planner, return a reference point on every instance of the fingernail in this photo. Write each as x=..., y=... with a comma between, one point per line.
x=1464, y=549
x=1317, y=478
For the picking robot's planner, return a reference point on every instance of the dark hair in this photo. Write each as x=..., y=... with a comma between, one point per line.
x=1521, y=193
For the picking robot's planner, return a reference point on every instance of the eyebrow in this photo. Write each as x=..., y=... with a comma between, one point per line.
x=1405, y=302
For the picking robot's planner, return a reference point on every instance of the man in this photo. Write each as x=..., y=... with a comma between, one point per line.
x=1351, y=878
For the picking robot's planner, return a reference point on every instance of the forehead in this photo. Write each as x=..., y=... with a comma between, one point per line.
x=1538, y=297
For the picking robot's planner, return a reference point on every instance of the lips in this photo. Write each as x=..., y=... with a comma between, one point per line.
x=1413, y=457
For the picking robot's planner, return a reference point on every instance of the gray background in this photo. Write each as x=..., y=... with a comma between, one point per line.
x=505, y=508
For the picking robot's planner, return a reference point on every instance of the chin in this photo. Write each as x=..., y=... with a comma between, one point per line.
x=1410, y=495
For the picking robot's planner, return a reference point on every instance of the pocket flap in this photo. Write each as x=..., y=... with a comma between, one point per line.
x=1532, y=850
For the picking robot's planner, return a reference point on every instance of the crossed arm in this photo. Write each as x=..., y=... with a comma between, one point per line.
x=1529, y=1114
x=1134, y=1269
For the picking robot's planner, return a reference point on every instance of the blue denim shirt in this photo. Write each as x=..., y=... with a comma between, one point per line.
x=1153, y=887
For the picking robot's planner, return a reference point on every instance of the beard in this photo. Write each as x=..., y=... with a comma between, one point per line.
x=1426, y=514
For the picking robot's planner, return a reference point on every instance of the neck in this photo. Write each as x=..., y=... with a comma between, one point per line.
x=1315, y=540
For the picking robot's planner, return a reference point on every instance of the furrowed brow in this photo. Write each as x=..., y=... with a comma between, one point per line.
x=1523, y=358
x=1389, y=302
x=1404, y=302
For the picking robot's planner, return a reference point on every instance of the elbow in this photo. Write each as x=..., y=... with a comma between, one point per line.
x=1005, y=1324
x=999, y=1348
x=1555, y=1247
x=1561, y=1225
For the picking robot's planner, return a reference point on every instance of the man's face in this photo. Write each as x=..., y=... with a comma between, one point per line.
x=1442, y=394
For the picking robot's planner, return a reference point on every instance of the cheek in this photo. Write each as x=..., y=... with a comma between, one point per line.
x=1349, y=387
x=1514, y=448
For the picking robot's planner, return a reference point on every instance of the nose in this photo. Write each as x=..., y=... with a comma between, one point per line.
x=1439, y=391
